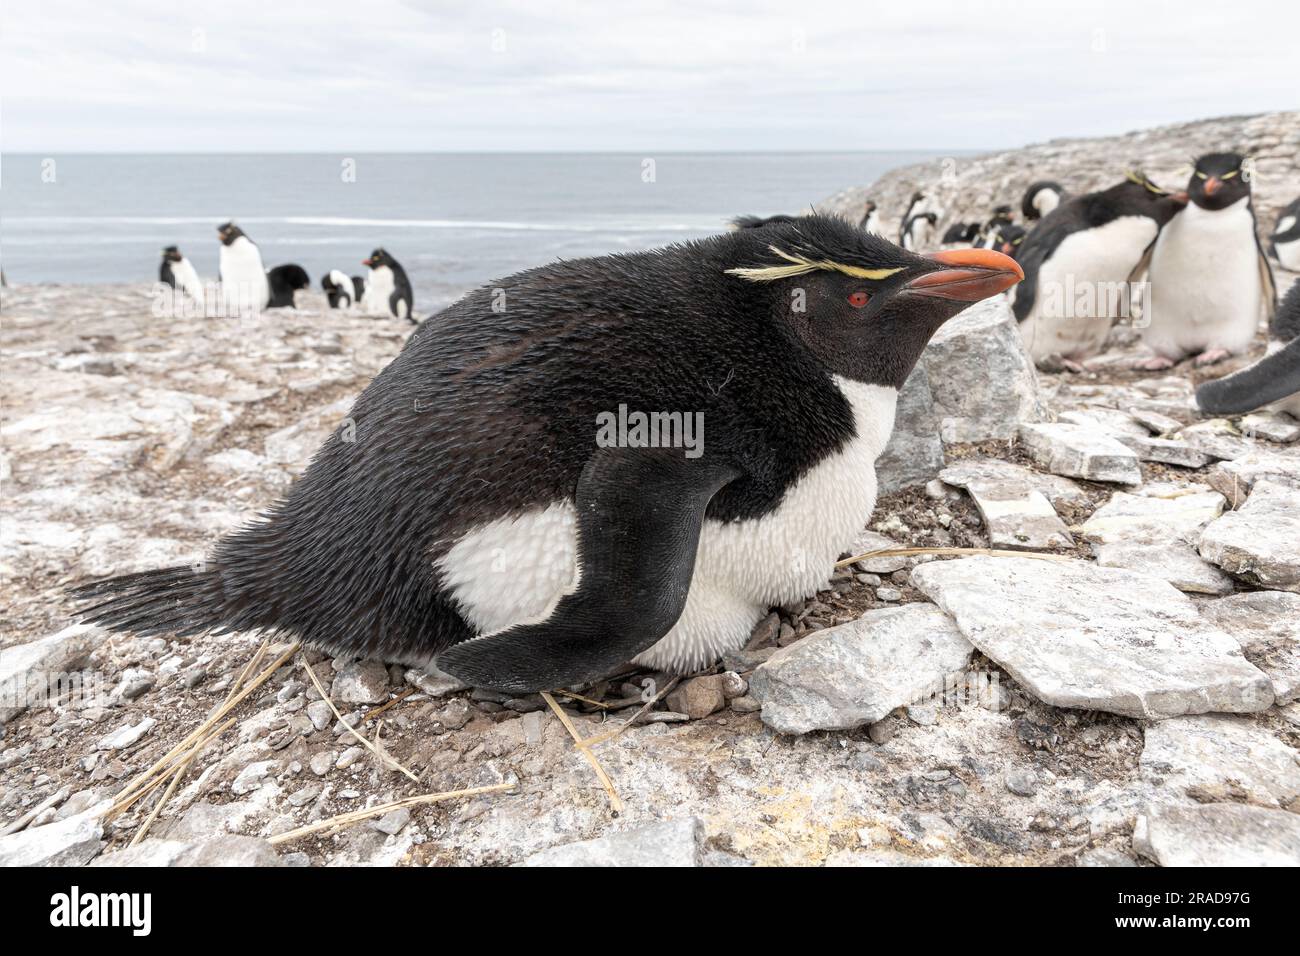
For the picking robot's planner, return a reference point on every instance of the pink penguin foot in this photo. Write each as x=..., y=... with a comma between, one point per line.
x=1211, y=356
x=1155, y=363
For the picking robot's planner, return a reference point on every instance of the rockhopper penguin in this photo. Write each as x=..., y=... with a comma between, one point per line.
x=470, y=513
x=1272, y=381
x=388, y=291
x=1040, y=199
x=1210, y=280
x=1285, y=241
x=338, y=289
x=1077, y=263
x=177, y=272
x=285, y=280
x=244, y=285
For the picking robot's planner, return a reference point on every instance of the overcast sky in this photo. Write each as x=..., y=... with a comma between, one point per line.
x=262, y=75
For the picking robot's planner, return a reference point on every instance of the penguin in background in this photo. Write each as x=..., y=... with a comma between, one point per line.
x=990, y=234
x=960, y=235
x=1209, y=278
x=244, y=283
x=339, y=290
x=917, y=205
x=388, y=291
x=1285, y=241
x=179, y=273
x=917, y=232
x=1077, y=263
x=492, y=435
x=1041, y=198
x=870, y=221
x=1010, y=238
x=285, y=280
x=1272, y=382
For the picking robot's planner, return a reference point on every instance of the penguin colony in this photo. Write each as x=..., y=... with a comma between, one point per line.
x=789, y=338
x=246, y=285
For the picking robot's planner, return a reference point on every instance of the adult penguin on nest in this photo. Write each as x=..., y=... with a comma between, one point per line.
x=488, y=436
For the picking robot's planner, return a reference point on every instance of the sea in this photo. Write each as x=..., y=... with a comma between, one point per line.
x=454, y=220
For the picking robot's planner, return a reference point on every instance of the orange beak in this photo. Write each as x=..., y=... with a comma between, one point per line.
x=972, y=274
x=1213, y=185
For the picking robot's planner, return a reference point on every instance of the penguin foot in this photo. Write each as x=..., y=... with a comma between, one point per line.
x=1155, y=363
x=1056, y=362
x=1211, y=357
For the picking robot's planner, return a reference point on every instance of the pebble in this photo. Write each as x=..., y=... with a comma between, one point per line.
x=889, y=594
x=320, y=763
x=1022, y=783
x=393, y=821
x=349, y=757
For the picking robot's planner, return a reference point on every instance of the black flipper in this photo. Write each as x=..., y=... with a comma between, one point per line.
x=1271, y=379
x=640, y=511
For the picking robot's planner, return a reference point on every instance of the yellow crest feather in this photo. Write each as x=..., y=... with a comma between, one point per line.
x=800, y=266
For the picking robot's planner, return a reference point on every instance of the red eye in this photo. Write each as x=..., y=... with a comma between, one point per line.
x=859, y=299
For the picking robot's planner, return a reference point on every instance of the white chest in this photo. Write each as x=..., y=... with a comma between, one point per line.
x=515, y=570
x=187, y=280
x=379, y=289
x=873, y=223
x=1045, y=200
x=1288, y=253
x=1083, y=288
x=345, y=284
x=243, y=277
x=1206, y=290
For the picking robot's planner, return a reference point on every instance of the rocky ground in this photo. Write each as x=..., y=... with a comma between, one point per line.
x=1122, y=690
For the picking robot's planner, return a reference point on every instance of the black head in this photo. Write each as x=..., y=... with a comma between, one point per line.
x=1001, y=214
x=1010, y=237
x=869, y=206
x=379, y=257
x=1137, y=195
x=864, y=307
x=228, y=232
x=172, y=254
x=1218, y=180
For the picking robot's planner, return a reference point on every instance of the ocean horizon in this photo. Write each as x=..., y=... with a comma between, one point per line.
x=454, y=220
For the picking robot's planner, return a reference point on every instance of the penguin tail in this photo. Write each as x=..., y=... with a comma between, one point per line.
x=182, y=600
x=1272, y=378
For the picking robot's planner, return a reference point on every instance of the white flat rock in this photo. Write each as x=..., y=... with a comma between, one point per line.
x=1260, y=541
x=1218, y=834
x=1214, y=758
x=1095, y=638
x=1080, y=451
x=1267, y=625
x=671, y=843
x=856, y=673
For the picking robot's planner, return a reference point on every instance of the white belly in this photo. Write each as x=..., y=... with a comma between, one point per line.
x=1045, y=200
x=345, y=284
x=244, y=285
x=379, y=288
x=187, y=280
x=1206, y=291
x=1288, y=253
x=515, y=570
x=1083, y=288
x=872, y=224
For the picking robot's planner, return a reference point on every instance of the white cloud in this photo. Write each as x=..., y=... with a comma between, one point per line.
x=349, y=77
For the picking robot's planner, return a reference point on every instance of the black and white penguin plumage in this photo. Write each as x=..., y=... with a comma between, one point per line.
x=1010, y=238
x=915, y=206
x=178, y=272
x=917, y=232
x=1210, y=280
x=388, y=291
x=1041, y=198
x=756, y=222
x=1273, y=381
x=505, y=507
x=285, y=280
x=960, y=235
x=244, y=285
x=339, y=291
x=1285, y=241
x=1077, y=264
x=990, y=234
x=870, y=220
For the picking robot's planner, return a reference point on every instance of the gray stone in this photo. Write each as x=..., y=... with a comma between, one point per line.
x=982, y=379
x=1217, y=438
x=1259, y=542
x=1023, y=783
x=27, y=670
x=1218, y=834
x=914, y=453
x=1267, y=625
x=392, y=821
x=1169, y=451
x=252, y=776
x=1103, y=856
x=1017, y=516
x=434, y=682
x=1061, y=492
x=1078, y=451
x=856, y=673
x=150, y=852
x=1236, y=479
x=126, y=735
x=1155, y=421
x=1174, y=561
x=321, y=763
x=361, y=682
x=670, y=843
x=1113, y=422
x=230, y=850
x=70, y=842
x=698, y=697
x=1271, y=426
x=869, y=541
x=319, y=713
x=1214, y=758
x=1095, y=638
